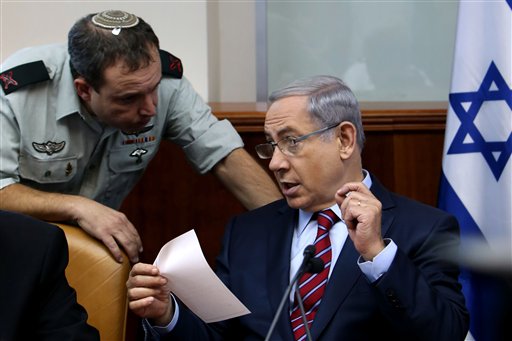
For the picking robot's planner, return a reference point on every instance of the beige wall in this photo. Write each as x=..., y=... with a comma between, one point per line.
x=215, y=40
x=231, y=46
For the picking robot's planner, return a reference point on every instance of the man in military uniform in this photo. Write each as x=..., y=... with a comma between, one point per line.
x=80, y=125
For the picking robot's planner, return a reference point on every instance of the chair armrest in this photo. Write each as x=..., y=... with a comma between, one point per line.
x=100, y=282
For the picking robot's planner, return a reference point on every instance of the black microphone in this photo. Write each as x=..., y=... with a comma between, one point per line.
x=314, y=266
x=306, y=266
x=309, y=252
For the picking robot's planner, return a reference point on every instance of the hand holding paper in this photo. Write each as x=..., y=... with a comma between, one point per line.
x=192, y=280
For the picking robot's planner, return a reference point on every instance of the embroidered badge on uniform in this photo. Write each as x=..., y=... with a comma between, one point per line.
x=176, y=66
x=49, y=147
x=69, y=169
x=137, y=153
x=171, y=65
x=23, y=75
x=7, y=79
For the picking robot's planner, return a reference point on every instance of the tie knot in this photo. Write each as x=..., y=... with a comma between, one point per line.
x=326, y=219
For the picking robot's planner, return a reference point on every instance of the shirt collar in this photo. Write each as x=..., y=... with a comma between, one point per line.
x=68, y=102
x=305, y=217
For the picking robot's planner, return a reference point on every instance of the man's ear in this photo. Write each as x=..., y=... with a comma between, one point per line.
x=346, y=139
x=83, y=89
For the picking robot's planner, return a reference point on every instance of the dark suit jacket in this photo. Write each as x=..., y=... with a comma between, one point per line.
x=36, y=301
x=419, y=297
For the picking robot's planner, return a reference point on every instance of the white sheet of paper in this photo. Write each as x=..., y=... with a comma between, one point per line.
x=192, y=280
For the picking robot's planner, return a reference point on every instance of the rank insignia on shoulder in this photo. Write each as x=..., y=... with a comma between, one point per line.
x=171, y=65
x=22, y=75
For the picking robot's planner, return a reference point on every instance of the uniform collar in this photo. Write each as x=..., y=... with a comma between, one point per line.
x=68, y=100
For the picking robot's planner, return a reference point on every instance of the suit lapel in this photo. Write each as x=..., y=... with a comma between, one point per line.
x=346, y=271
x=344, y=276
x=387, y=202
x=279, y=237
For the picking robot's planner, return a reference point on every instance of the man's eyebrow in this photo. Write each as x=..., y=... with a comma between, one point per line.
x=284, y=130
x=124, y=94
x=281, y=132
x=157, y=84
x=120, y=96
x=135, y=93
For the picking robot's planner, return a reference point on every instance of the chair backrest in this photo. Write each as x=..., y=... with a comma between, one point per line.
x=100, y=282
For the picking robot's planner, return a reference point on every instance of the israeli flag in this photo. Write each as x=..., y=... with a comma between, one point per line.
x=476, y=184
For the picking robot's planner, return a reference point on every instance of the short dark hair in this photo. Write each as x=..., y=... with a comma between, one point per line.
x=330, y=101
x=92, y=49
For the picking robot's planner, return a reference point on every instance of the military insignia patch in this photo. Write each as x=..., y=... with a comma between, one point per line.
x=49, y=147
x=171, y=65
x=22, y=75
x=138, y=153
x=69, y=169
x=7, y=80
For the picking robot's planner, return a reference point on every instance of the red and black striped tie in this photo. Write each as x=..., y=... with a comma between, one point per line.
x=312, y=286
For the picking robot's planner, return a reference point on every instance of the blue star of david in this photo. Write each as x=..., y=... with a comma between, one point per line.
x=509, y=2
x=468, y=127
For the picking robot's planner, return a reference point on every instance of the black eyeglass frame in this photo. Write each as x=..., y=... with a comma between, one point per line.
x=260, y=148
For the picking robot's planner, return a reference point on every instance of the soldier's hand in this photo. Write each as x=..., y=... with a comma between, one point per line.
x=111, y=227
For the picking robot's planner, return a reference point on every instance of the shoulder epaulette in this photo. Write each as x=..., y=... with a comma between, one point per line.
x=22, y=75
x=171, y=65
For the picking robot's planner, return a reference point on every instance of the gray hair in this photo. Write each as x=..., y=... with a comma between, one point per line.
x=330, y=101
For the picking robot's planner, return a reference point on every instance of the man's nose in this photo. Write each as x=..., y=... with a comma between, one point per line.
x=149, y=105
x=278, y=160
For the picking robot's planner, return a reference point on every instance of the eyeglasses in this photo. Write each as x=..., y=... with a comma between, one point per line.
x=289, y=146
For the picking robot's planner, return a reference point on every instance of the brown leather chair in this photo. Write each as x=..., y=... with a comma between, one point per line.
x=100, y=282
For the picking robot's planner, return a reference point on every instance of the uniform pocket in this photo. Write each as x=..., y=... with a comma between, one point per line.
x=55, y=170
x=130, y=159
x=126, y=165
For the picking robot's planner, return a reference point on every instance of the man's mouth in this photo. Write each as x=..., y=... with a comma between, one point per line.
x=288, y=188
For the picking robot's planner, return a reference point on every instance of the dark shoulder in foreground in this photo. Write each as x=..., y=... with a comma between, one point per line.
x=28, y=230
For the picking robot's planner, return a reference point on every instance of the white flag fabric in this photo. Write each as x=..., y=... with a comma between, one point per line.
x=476, y=184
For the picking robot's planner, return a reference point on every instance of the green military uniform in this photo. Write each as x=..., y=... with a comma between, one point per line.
x=49, y=142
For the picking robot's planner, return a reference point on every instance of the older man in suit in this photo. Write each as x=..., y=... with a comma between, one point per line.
x=384, y=274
